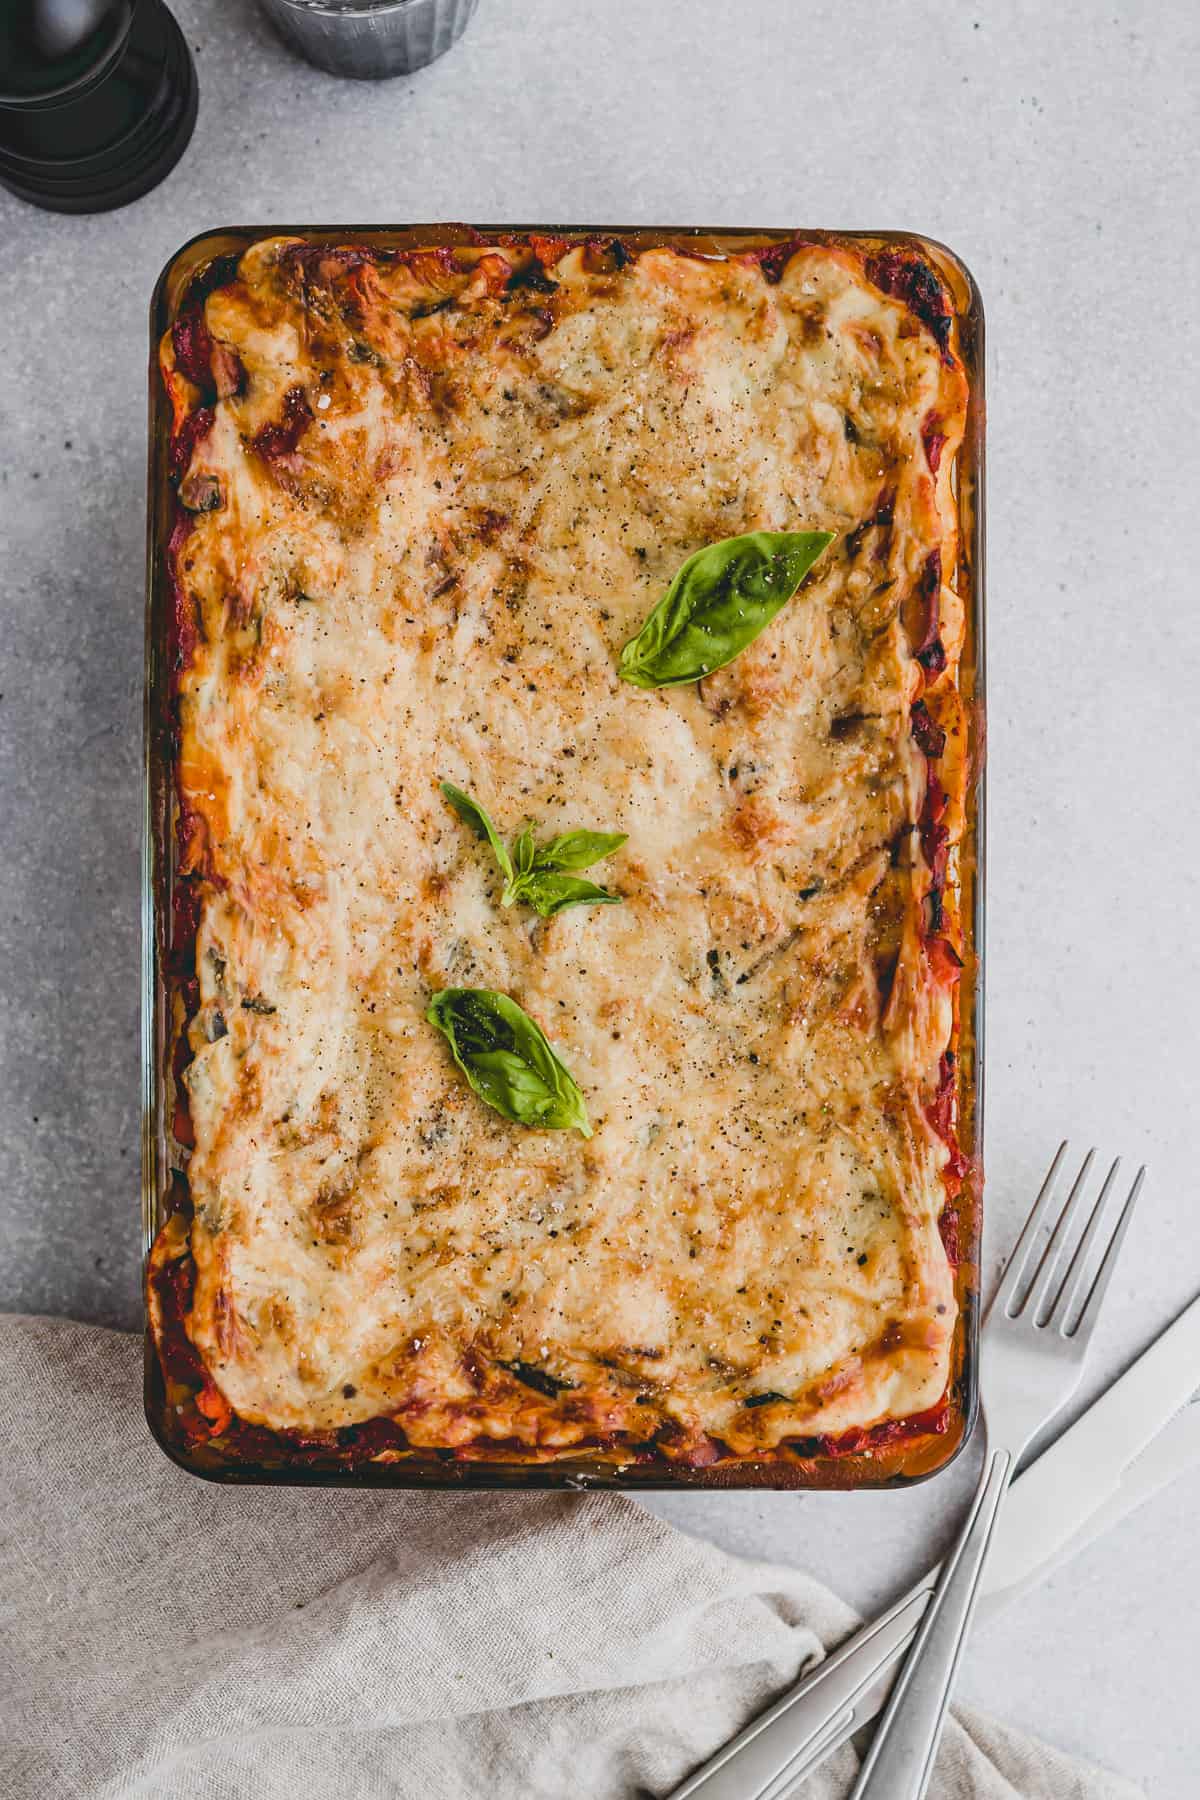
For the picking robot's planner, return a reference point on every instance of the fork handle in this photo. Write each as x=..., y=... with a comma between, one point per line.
x=900, y=1760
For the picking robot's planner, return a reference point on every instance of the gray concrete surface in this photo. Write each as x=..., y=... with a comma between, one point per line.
x=1056, y=148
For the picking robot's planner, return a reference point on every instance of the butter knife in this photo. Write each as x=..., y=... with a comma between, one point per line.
x=1115, y=1456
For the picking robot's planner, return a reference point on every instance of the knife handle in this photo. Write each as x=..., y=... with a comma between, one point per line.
x=780, y=1748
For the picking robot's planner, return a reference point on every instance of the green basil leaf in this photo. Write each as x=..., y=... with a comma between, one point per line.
x=528, y=868
x=523, y=857
x=549, y=893
x=524, y=852
x=578, y=849
x=719, y=601
x=507, y=1059
x=474, y=815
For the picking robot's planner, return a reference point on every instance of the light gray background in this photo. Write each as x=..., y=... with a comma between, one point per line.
x=1055, y=147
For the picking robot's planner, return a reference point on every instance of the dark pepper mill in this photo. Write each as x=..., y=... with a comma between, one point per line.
x=97, y=100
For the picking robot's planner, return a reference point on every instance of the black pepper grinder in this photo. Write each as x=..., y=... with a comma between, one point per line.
x=97, y=100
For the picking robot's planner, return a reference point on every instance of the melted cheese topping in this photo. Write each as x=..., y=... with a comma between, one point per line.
x=434, y=583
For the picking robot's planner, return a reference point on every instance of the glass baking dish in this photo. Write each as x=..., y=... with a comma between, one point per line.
x=889, y=1464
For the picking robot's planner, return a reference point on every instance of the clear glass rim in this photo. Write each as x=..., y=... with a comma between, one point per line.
x=822, y=1474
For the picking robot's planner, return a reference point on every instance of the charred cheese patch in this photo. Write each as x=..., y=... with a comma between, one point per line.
x=448, y=494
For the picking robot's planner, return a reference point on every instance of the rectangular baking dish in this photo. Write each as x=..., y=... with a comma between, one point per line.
x=898, y=1463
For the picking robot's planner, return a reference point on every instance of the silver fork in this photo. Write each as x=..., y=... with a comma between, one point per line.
x=1034, y=1341
x=776, y=1752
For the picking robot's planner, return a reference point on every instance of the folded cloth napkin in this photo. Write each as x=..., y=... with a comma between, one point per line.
x=160, y=1636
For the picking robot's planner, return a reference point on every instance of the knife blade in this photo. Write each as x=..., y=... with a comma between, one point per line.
x=1172, y=1453
x=1127, y=1446
x=1058, y=1493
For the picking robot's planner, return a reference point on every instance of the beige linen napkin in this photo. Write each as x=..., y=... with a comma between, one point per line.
x=163, y=1637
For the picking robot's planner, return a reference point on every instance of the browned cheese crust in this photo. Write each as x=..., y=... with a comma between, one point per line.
x=437, y=494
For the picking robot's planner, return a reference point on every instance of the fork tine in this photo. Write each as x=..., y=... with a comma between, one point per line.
x=1041, y=1285
x=1033, y=1224
x=1076, y=1274
x=1085, y=1323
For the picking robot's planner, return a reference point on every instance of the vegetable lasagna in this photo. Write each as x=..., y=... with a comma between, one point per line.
x=431, y=505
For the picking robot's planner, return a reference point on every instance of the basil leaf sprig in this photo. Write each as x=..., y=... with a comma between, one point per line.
x=538, y=874
x=719, y=601
x=507, y=1059
x=477, y=818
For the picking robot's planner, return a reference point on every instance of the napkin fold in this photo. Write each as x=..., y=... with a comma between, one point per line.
x=160, y=1636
